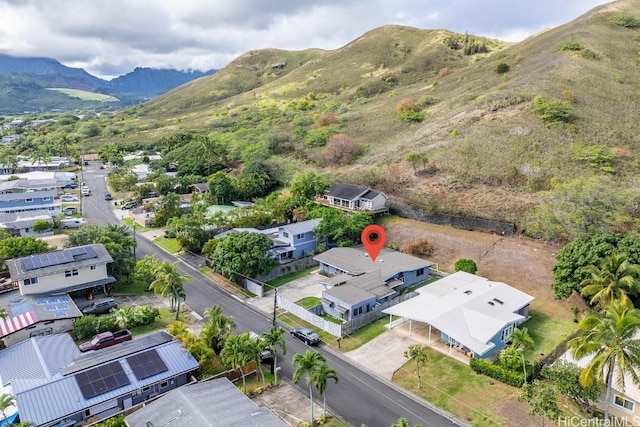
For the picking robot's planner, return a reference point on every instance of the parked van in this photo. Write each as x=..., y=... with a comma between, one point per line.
x=71, y=223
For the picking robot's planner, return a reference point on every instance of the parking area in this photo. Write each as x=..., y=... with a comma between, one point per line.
x=307, y=286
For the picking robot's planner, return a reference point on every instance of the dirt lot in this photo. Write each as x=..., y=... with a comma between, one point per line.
x=517, y=261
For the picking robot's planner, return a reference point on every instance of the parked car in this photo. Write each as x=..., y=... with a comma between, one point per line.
x=309, y=336
x=70, y=210
x=71, y=223
x=108, y=196
x=101, y=306
x=265, y=354
x=71, y=186
x=69, y=198
x=106, y=339
x=128, y=205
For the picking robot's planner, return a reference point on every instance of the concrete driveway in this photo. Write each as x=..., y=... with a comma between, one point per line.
x=307, y=286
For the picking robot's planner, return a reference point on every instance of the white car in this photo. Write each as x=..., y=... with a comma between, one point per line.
x=86, y=191
x=69, y=198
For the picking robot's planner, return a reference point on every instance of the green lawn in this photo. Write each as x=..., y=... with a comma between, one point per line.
x=279, y=281
x=166, y=318
x=309, y=302
x=547, y=332
x=170, y=245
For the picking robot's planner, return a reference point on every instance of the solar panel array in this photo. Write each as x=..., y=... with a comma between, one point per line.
x=147, y=364
x=49, y=259
x=102, y=379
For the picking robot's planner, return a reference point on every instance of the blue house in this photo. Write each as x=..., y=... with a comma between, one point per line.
x=357, y=285
x=468, y=313
x=28, y=195
x=95, y=385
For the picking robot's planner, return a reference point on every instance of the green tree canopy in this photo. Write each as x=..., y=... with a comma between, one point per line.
x=343, y=228
x=17, y=247
x=566, y=378
x=242, y=253
x=467, y=265
x=306, y=185
x=614, y=279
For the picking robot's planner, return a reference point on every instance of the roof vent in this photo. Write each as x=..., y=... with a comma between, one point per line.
x=468, y=292
x=490, y=303
x=498, y=301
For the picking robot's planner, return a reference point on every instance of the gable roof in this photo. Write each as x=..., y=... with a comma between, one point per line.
x=360, y=288
x=202, y=187
x=57, y=261
x=215, y=403
x=355, y=261
x=468, y=308
x=302, y=226
x=346, y=191
x=30, y=395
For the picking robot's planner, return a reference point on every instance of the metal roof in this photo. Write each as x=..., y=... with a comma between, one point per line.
x=215, y=403
x=303, y=226
x=42, y=307
x=346, y=191
x=41, y=404
x=360, y=288
x=6, y=197
x=38, y=358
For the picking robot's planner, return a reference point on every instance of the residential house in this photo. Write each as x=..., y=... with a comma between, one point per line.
x=35, y=315
x=24, y=195
x=290, y=241
x=200, y=188
x=215, y=403
x=98, y=384
x=81, y=268
x=52, y=163
x=21, y=224
x=624, y=402
x=357, y=285
x=352, y=197
x=467, y=312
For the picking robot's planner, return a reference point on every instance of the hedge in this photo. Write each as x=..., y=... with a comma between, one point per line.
x=497, y=372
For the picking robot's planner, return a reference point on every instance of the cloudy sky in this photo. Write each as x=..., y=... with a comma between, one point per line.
x=109, y=38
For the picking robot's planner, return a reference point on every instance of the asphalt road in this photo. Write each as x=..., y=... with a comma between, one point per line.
x=358, y=398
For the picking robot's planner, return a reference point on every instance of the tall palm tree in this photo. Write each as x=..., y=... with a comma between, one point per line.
x=255, y=350
x=611, y=339
x=218, y=328
x=274, y=338
x=521, y=341
x=236, y=353
x=169, y=282
x=614, y=279
x=6, y=401
x=307, y=363
x=320, y=378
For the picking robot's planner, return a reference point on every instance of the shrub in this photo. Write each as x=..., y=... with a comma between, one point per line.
x=341, y=149
x=502, y=68
x=406, y=104
x=326, y=119
x=85, y=326
x=421, y=248
x=497, y=372
x=552, y=111
x=571, y=44
x=467, y=265
x=411, y=116
x=625, y=20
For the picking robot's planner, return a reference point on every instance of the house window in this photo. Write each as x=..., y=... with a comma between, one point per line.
x=29, y=200
x=31, y=281
x=420, y=272
x=285, y=234
x=70, y=273
x=300, y=236
x=46, y=198
x=506, y=332
x=623, y=403
x=357, y=311
x=93, y=267
x=145, y=389
x=164, y=384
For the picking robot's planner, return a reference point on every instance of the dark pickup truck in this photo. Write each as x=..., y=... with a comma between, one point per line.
x=106, y=339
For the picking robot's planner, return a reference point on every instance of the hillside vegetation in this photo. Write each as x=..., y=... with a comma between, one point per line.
x=527, y=132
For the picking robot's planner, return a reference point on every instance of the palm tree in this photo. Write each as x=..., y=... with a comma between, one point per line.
x=610, y=339
x=307, y=363
x=169, y=283
x=275, y=338
x=255, y=349
x=218, y=329
x=521, y=341
x=416, y=352
x=6, y=401
x=236, y=353
x=614, y=279
x=124, y=316
x=320, y=378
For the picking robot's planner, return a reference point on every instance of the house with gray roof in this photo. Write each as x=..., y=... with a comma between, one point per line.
x=469, y=313
x=214, y=403
x=356, y=285
x=352, y=197
x=21, y=223
x=35, y=315
x=102, y=383
x=63, y=271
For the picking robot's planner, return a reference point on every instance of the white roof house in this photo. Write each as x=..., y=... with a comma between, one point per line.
x=468, y=310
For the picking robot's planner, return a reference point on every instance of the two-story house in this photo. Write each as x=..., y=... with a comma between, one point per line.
x=60, y=272
x=24, y=195
x=352, y=197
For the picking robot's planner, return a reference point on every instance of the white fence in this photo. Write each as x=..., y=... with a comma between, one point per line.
x=304, y=314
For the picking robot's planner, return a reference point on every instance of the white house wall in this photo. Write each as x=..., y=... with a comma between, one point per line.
x=57, y=327
x=54, y=282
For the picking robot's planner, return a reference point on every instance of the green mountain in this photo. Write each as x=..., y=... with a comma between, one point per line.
x=493, y=125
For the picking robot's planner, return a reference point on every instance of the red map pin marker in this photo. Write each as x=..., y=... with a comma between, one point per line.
x=373, y=238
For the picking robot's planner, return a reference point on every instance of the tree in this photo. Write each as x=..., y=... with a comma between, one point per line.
x=6, y=401
x=255, y=349
x=242, y=253
x=237, y=353
x=543, y=400
x=145, y=270
x=190, y=232
x=169, y=282
x=218, y=327
x=416, y=160
x=306, y=185
x=42, y=225
x=17, y=247
x=565, y=376
x=221, y=189
x=417, y=353
x=344, y=228
x=467, y=265
x=274, y=338
x=169, y=208
x=307, y=363
x=521, y=341
x=613, y=280
x=321, y=376
x=609, y=338
x=124, y=316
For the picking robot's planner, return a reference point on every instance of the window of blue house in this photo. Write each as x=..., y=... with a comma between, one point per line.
x=506, y=332
x=29, y=200
x=300, y=236
x=420, y=272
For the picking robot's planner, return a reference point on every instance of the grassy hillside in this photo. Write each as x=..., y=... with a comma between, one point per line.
x=490, y=154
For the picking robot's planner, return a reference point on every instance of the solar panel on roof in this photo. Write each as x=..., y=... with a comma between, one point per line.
x=50, y=259
x=147, y=364
x=101, y=380
x=60, y=314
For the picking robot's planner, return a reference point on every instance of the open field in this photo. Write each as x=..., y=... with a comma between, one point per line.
x=85, y=95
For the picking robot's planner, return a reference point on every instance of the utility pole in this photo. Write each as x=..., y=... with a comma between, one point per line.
x=275, y=305
x=135, y=242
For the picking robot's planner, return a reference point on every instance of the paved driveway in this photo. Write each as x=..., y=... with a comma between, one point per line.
x=295, y=290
